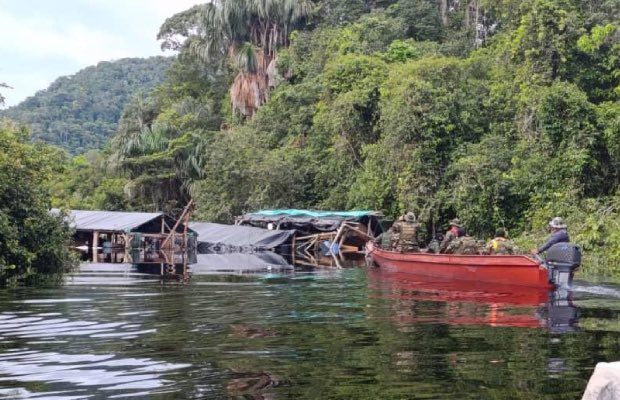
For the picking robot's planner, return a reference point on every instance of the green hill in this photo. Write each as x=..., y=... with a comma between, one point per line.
x=81, y=111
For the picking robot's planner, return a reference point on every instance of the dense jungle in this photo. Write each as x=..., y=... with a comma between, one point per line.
x=501, y=112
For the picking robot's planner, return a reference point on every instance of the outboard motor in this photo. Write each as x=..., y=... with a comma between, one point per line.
x=562, y=260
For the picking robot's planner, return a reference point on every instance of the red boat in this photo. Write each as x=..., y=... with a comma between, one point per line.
x=499, y=269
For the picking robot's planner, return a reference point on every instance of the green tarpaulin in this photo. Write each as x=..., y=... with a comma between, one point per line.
x=312, y=214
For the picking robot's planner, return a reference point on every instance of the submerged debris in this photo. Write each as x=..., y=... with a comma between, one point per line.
x=251, y=332
x=252, y=386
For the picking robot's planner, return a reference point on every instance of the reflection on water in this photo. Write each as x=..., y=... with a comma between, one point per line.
x=112, y=332
x=475, y=302
x=38, y=335
x=106, y=372
x=239, y=263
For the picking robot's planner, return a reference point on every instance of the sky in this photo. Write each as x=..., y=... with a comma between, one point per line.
x=42, y=40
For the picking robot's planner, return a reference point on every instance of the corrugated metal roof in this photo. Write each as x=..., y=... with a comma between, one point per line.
x=239, y=235
x=109, y=220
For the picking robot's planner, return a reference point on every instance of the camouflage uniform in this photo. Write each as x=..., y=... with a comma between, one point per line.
x=463, y=245
x=395, y=236
x=433, y=246
x=500, y=245
x=385, y=239
x=447, y=240
x=456, y=231
x=407, y=234
x=481, y=246
x=409, y=237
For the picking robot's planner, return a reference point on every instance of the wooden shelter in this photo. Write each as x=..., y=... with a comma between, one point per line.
x=135, y=237
x=325, y=238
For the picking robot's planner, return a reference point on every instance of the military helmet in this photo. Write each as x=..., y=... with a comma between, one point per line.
x=500, y=232
x=410, y=217
x=558, y=223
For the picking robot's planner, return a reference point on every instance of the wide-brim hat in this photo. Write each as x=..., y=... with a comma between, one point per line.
x=410, y=217
x=456, y=222
x=557, y=223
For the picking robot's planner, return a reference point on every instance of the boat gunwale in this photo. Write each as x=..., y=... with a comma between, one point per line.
x=519, y=260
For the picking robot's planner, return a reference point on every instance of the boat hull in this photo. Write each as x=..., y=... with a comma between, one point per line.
x=499, y=269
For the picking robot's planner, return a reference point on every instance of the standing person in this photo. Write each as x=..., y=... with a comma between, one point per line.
x=500, y=244
x=408, y=229
x=456, y=230
x=558, y=235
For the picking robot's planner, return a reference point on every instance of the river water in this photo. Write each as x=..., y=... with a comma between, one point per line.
x=111, y=332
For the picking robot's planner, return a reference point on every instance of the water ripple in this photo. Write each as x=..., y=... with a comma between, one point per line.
x=333, y=334
x=106, y=371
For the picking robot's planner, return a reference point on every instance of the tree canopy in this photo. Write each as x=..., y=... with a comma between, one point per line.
x=33, y=242
x=247, y=32
x=81, y=111
x=502, y=113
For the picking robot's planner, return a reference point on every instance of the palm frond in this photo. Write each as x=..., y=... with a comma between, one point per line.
x=246, y=58
x=250, y=33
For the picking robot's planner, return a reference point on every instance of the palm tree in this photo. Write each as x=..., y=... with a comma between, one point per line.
x=247, y=32
x=160, y=162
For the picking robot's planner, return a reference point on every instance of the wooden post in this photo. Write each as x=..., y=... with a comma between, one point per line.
x=127, y=240
x=184, y=253
x=293, y=250
x=174, y=228
x=95, y=245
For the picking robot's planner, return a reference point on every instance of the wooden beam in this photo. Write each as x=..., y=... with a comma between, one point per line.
x=185, y=211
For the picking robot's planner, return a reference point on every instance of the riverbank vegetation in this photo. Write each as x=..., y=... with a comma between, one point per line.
x=34, y=243
x=503, y=113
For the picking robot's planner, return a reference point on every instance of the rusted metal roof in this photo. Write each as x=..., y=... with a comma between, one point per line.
x=109, y=220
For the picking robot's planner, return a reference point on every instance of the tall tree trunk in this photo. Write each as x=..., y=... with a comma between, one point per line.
x=250, y=90
x=443, y=11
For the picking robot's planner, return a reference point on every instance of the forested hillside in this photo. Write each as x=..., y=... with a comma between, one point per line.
x=81, y=111
x=503, y=113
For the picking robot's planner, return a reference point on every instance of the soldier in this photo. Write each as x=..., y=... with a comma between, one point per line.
x=463, y=245
x=481, y=247
x=408, y=231
x=395, y=245
x=456, y=230
x=433, y=246
x=500, y=244
x=385, y=239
